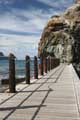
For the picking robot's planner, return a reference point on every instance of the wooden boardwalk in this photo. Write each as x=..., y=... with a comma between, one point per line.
x=56, y=96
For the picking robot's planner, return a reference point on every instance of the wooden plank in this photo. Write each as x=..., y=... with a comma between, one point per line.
x=45, y=99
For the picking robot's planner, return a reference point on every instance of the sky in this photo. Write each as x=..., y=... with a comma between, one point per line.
x=22, y=23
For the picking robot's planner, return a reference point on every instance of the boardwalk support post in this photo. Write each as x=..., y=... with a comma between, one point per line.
x=12, y=81
x=35, y=68
x=27, y=70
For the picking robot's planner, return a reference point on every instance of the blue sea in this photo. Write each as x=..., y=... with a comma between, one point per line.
x=19, y=66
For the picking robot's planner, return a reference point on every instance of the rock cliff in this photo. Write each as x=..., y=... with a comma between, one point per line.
x=61, y=36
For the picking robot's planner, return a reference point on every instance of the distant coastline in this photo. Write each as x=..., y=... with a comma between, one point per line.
x=2, y=56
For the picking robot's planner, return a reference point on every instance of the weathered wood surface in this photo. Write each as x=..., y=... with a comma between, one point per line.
x=56, y=96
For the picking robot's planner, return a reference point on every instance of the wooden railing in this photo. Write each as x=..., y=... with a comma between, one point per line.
x=44, y=66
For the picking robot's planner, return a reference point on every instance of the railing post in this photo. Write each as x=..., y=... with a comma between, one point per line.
x=58, y=61
x=35, y=68
x=45, y=65
x=27, y=70
x=12, y=81
x=52, y=63
x=48, y=64
x=41, y=65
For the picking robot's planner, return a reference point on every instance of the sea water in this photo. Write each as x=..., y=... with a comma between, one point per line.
x=19, y=68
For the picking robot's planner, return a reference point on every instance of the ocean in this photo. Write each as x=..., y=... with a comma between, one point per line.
x=19, y=67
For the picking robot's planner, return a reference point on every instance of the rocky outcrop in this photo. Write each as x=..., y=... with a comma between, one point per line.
x=77, y=1
x=2, y=57
x=1, y=54
x=61, y=36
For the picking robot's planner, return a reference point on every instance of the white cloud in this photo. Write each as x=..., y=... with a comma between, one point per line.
x=35, y=20
x=19, y=45
x=56, y=3
x=6, y=2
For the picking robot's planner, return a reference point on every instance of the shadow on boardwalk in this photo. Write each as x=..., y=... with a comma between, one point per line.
x=54, y=96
